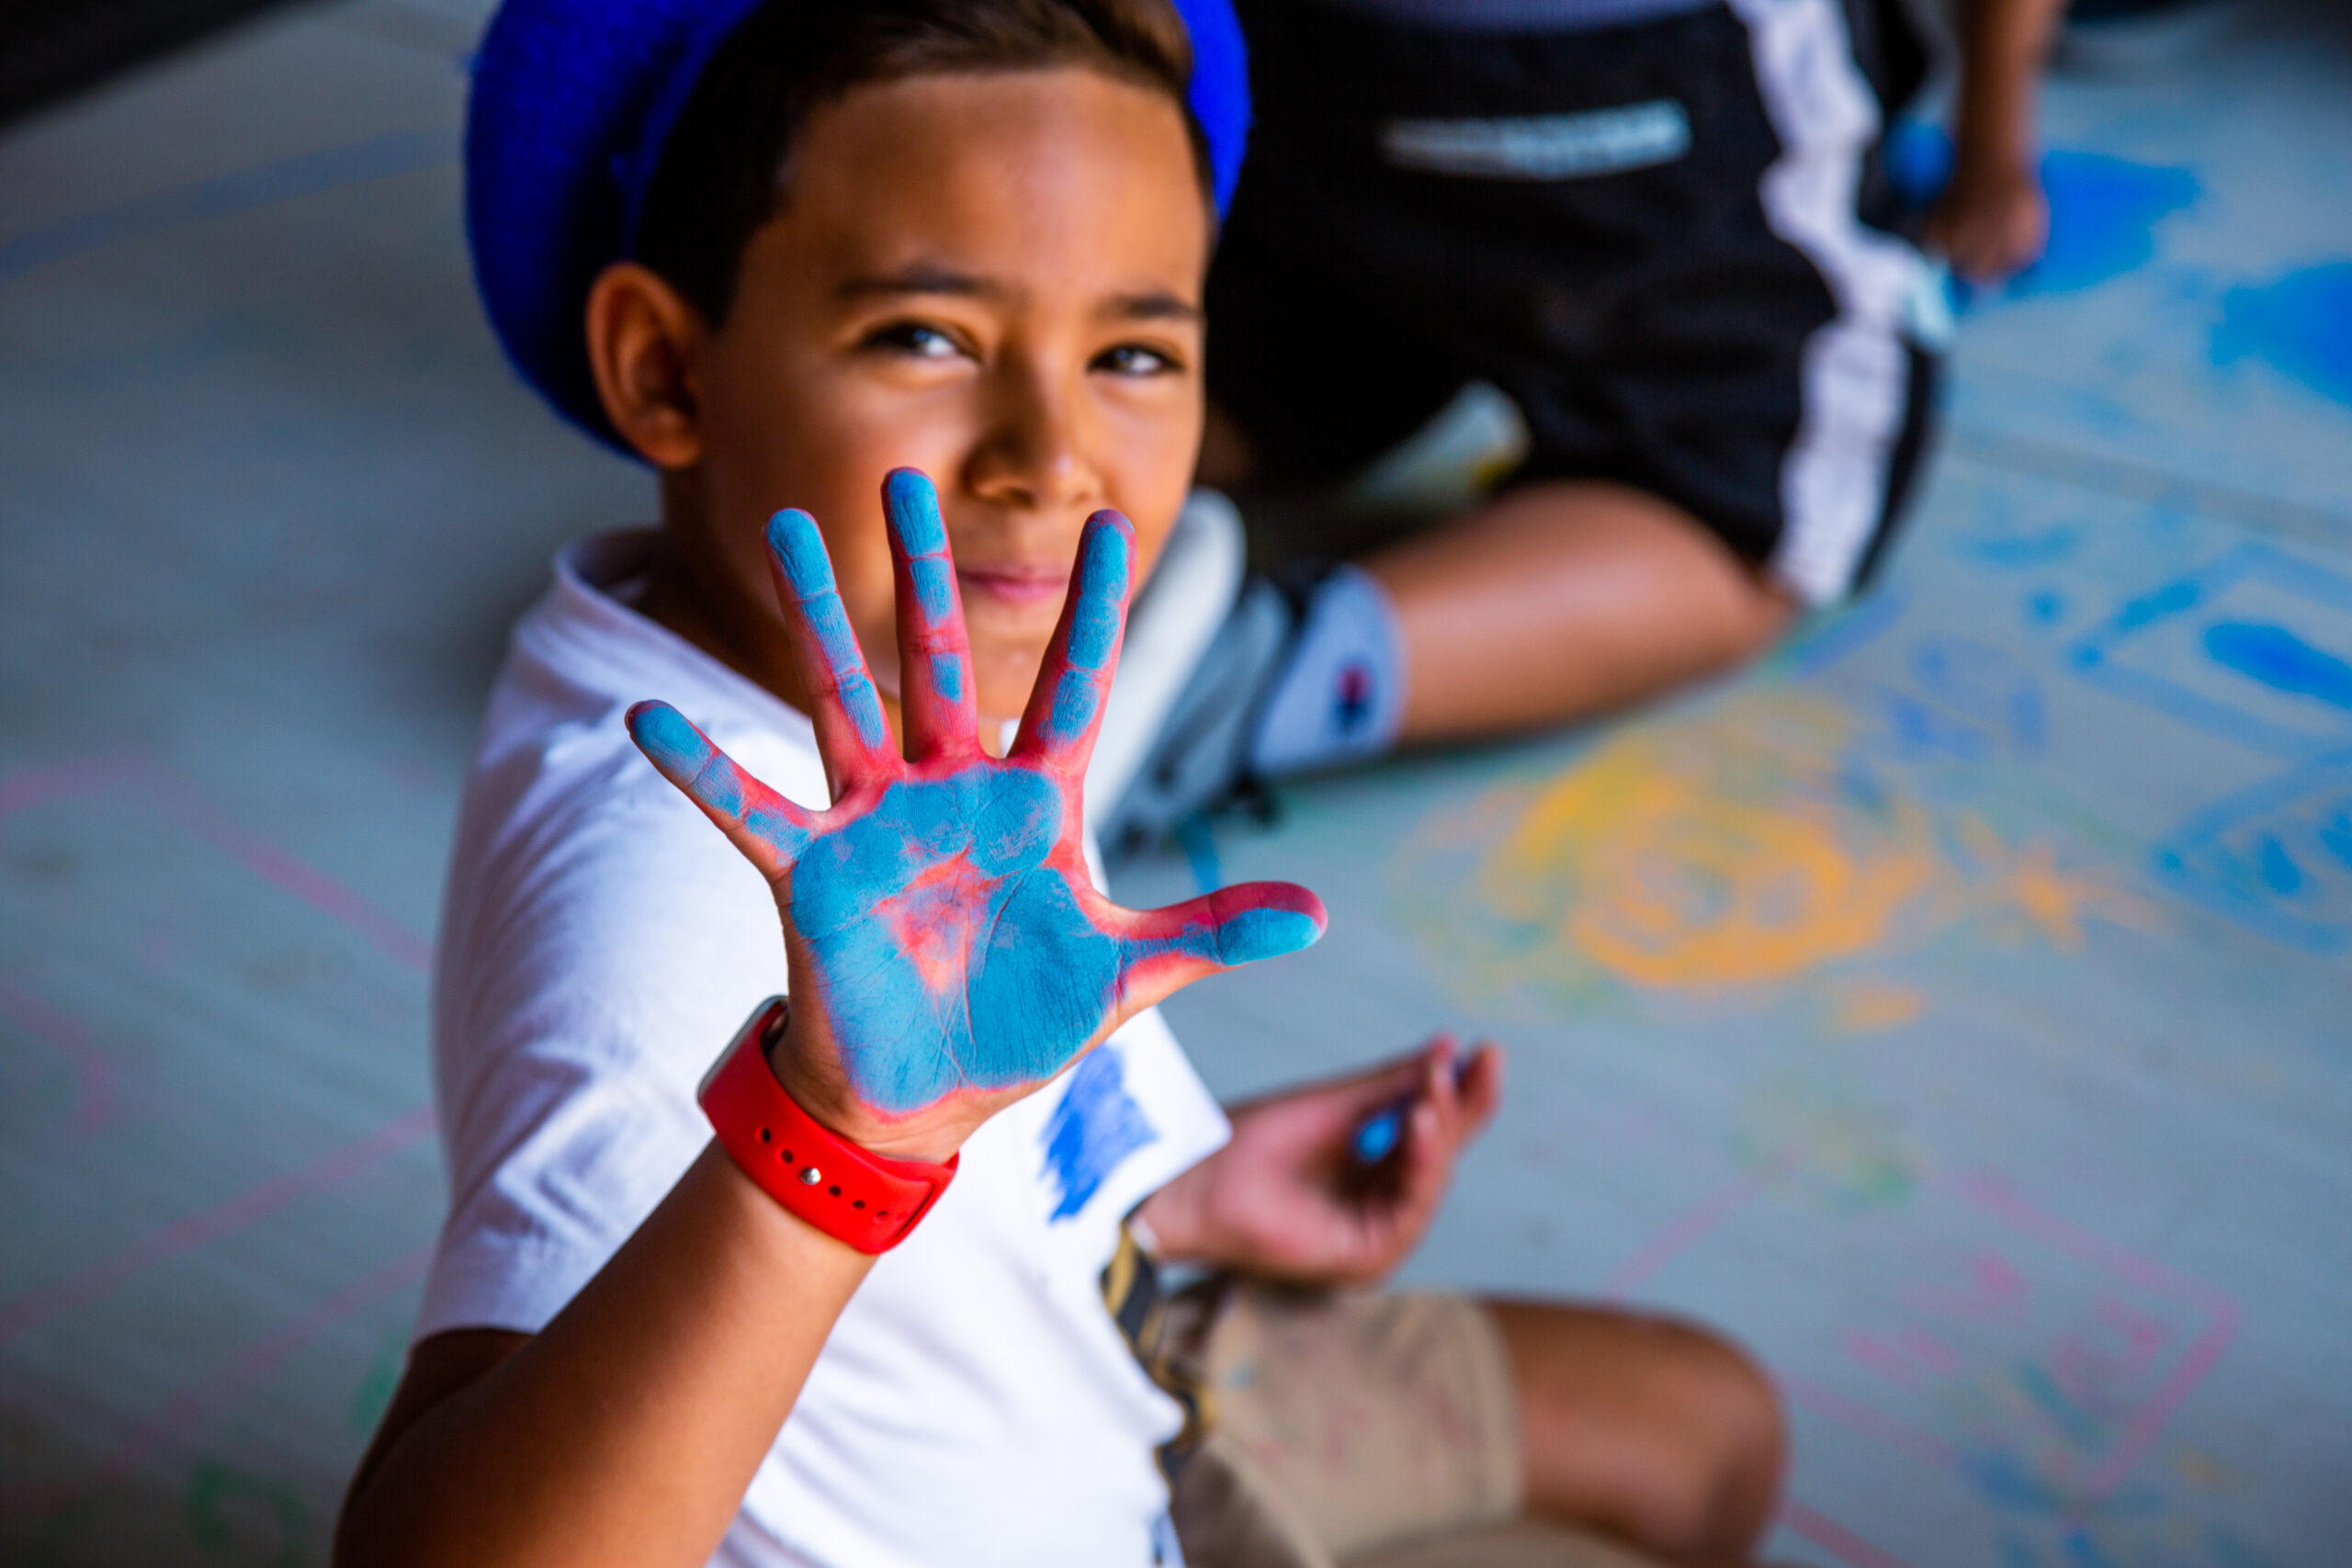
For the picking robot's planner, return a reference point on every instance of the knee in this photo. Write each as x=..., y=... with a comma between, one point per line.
x=1720, y=1446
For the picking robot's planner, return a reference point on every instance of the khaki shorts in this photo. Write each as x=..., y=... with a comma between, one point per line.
x=1361, y=1429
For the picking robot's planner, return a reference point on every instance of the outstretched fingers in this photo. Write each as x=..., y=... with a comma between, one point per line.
x=935, y=699
x=843, y=705
x=768, y=829
x=1066, y=706
x=1165, y=949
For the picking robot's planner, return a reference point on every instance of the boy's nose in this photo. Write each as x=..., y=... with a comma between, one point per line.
x=1033, y=453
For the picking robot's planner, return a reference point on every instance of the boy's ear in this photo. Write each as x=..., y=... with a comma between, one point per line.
x=642, y=339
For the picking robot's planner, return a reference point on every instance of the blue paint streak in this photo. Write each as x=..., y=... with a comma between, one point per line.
x=799, y=549
x=2279, y=659
x=1097, y=1126
x=1103, y=569
x=2103, y=215
x=947, y=676
x=1257, y=934
x=286, y=179
x=2019, y=551
x=662, y=733
x=914, y=509
x=935, y=582
x=2299, y=324
x=2103, y=211
x=799, y=552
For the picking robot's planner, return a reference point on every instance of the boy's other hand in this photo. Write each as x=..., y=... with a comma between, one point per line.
x=947, y=951
x=1290, y=1199
x=1993, y=218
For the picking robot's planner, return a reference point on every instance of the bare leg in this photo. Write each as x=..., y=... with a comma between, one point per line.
x=1652, y=1431
x=1562, y=599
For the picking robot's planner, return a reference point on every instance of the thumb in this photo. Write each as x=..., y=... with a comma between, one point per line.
x=1165, y=949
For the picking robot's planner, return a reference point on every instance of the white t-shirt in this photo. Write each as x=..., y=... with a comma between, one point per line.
x=600, y=943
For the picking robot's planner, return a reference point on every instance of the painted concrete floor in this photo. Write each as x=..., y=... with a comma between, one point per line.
x=1955, y=1007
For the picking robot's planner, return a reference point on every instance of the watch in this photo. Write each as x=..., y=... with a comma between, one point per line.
x=853, y=1195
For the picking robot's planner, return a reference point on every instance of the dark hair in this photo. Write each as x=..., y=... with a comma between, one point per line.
x=725, y=169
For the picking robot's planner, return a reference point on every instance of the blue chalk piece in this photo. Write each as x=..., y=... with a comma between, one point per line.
x=2280, y=659
x=1918, y=157
x=800, y=550
x=2299, y=324
x=1379, y=1135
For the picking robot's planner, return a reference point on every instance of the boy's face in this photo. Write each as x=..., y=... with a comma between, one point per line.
x=993, y=278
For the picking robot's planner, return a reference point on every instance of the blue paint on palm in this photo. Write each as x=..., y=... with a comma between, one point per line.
x=1097, y=1126
x=950, y=953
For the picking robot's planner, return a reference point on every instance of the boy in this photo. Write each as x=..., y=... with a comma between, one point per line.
x=967, y=235
x=1659, y=228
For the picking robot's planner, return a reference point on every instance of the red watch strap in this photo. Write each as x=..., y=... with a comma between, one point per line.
x=850, y=1193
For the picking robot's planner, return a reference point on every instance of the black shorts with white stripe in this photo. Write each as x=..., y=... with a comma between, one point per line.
x=1668, y=242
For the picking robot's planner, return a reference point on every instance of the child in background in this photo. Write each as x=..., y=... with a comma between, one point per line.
x=1660, y=229
x=786, y=253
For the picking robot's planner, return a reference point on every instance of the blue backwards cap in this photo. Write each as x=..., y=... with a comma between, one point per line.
x=574, y=101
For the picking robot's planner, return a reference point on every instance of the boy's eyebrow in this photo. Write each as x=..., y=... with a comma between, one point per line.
x=1150, y=305
x=923, y=278
x=1153, y=305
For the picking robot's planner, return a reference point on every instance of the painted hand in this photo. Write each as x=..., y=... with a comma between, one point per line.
x=1992, y=219
x=1289, y=1197
x=947, y=951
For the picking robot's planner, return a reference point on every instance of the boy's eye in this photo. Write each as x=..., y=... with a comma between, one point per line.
x=1134, y=359
x=916, y=339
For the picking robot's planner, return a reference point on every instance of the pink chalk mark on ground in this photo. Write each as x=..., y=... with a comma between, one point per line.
x=209, y=1225
x=2001, y=1201
x=187, y=1412
x=1679, y=1233
x=94, y=1074
x=1998, y=1200
x=257, y=854
x=1830, y=1535
x=1871, y=1422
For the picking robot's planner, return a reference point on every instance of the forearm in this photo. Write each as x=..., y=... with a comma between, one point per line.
x=1562, y=599
x=626, y=1431
x=2004, y=45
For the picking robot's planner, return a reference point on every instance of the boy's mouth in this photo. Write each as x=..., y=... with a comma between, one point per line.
x=1021, y=585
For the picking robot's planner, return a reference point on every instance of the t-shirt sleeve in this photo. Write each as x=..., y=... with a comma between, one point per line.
x=599, y=980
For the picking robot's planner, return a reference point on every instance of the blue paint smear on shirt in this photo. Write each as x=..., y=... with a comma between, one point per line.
x=2280, y=660
x=1096, y=1126
x=2299, y=324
